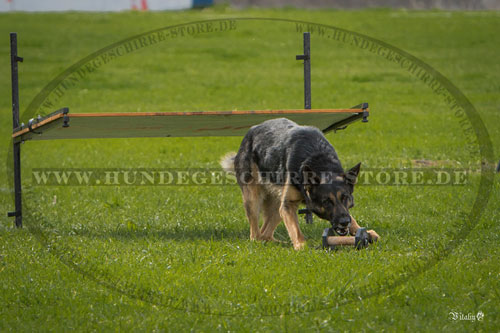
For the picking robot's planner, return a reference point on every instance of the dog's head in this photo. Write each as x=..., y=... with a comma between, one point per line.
x=329, y=195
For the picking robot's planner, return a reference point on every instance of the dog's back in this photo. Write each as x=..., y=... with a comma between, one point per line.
x=278, y=146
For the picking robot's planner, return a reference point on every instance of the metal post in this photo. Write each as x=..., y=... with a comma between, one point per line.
x=15, y=124
x=307, y=96
x=307, y=69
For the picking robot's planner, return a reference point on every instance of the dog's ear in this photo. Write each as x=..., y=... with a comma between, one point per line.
x=352, y=175
x=310, y=177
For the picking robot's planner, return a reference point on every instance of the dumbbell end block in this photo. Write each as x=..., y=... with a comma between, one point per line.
x=361, y=240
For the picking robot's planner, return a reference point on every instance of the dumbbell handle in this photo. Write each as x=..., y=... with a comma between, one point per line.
x=360, y=241
x=341, y=240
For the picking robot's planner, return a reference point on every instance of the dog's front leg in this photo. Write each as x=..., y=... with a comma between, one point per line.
x=288, y=212
x=354, y=226
x=290, y=200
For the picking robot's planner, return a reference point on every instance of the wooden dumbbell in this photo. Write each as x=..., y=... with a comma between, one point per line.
x=360, y=240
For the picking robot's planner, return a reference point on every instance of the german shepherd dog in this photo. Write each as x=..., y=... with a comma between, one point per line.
x=281, y=165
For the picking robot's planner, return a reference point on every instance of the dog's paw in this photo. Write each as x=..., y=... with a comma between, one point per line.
x=266, y=238
x=373, y=235
x=299, y=246
x=276, y=240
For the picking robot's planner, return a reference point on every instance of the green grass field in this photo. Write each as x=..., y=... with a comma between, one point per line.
x=178, y=258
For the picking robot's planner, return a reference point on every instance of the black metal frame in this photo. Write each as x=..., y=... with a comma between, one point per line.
x=307, y=96
x=343, y=123
x=14, y=59
x=35, y=121
x=307, y=105
x=307, y=69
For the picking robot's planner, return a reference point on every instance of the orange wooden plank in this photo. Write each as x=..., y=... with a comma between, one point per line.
x=211, y=113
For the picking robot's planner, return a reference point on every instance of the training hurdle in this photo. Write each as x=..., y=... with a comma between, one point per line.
x=62, y=124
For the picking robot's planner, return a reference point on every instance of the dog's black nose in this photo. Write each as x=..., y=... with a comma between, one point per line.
x=344, y=221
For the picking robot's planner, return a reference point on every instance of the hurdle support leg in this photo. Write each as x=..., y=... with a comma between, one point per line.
x=14, y=59
x=307, y=69
x=307, y=95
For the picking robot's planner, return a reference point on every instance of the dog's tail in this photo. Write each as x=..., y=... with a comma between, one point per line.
x=227, y=162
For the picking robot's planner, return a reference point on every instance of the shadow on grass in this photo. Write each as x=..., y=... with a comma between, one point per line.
x=184, y=234
x=189, y=235
x=194, y=235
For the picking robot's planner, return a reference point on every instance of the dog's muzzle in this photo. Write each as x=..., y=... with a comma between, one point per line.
x=341, y=227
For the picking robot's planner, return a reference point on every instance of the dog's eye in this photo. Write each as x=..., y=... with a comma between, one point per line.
x=326, y=202
x=346, y=199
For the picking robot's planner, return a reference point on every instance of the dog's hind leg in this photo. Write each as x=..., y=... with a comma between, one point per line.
x=271, y=218
x=252, y=202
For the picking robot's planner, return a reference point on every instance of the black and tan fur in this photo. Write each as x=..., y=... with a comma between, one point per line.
x=281, y=165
